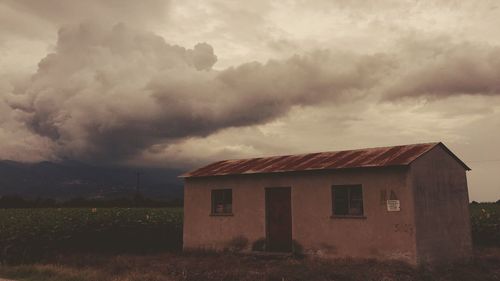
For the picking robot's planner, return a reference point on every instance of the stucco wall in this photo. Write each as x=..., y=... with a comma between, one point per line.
x=214, y=232
x=442, y=207
x=381, y=234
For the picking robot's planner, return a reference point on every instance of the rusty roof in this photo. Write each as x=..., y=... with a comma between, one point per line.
x=401, y=155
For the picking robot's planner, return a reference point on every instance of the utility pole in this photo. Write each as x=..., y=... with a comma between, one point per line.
x=137, y=187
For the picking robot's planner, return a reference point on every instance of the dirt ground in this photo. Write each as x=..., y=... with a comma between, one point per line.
x=221, y=267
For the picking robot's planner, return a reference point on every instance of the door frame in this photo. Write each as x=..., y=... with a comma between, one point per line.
x=266, y=206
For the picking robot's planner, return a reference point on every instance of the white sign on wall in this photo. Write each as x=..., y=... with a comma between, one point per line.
x=393, y=206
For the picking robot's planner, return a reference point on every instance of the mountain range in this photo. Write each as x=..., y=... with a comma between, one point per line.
x=70, y=179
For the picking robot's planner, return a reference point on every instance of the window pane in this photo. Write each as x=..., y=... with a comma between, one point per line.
x=228, y=196
x=216, y=200
x=228, y=201
x=356, y=208
x=356, y=201
x=228, y=208
x=356, y=193
x=340, y=200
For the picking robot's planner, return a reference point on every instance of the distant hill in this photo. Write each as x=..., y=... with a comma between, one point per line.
x=65, y=180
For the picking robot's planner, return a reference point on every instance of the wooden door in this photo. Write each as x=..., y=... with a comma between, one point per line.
x=279, y=219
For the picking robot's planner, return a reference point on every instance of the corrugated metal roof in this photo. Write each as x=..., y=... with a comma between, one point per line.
x=359, y=158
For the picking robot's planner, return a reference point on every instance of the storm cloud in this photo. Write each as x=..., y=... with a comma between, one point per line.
x=107, y=93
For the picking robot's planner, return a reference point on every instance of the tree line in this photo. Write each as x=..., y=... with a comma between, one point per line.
x=13, y=201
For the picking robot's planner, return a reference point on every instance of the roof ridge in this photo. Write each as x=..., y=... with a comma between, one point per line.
x=329, y=151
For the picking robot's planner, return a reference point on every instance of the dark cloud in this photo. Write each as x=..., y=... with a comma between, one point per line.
x=108, y=93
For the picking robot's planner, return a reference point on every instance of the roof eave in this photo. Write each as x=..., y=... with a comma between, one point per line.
x=187, y=175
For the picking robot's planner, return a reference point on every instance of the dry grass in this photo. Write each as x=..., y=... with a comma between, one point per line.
x=221, y=267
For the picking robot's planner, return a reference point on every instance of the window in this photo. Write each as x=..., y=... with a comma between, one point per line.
x=347, y=200
x=222, y=201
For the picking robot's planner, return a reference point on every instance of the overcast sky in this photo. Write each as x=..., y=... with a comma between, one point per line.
x=182, y=83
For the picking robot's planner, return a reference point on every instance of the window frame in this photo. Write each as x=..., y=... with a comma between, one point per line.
x=349, y=201
x=213, y=203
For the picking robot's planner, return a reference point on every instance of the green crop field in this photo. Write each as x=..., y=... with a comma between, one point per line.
x=485, y=220
x=29, y=234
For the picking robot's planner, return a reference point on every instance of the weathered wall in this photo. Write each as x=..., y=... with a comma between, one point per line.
x=381, y=234
x=442, y=207
x=201, y=230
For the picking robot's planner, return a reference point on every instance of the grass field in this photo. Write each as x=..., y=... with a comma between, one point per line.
x=137, y=244
x=234, y=267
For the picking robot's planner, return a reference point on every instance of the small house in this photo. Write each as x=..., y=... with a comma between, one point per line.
x=406, y=202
